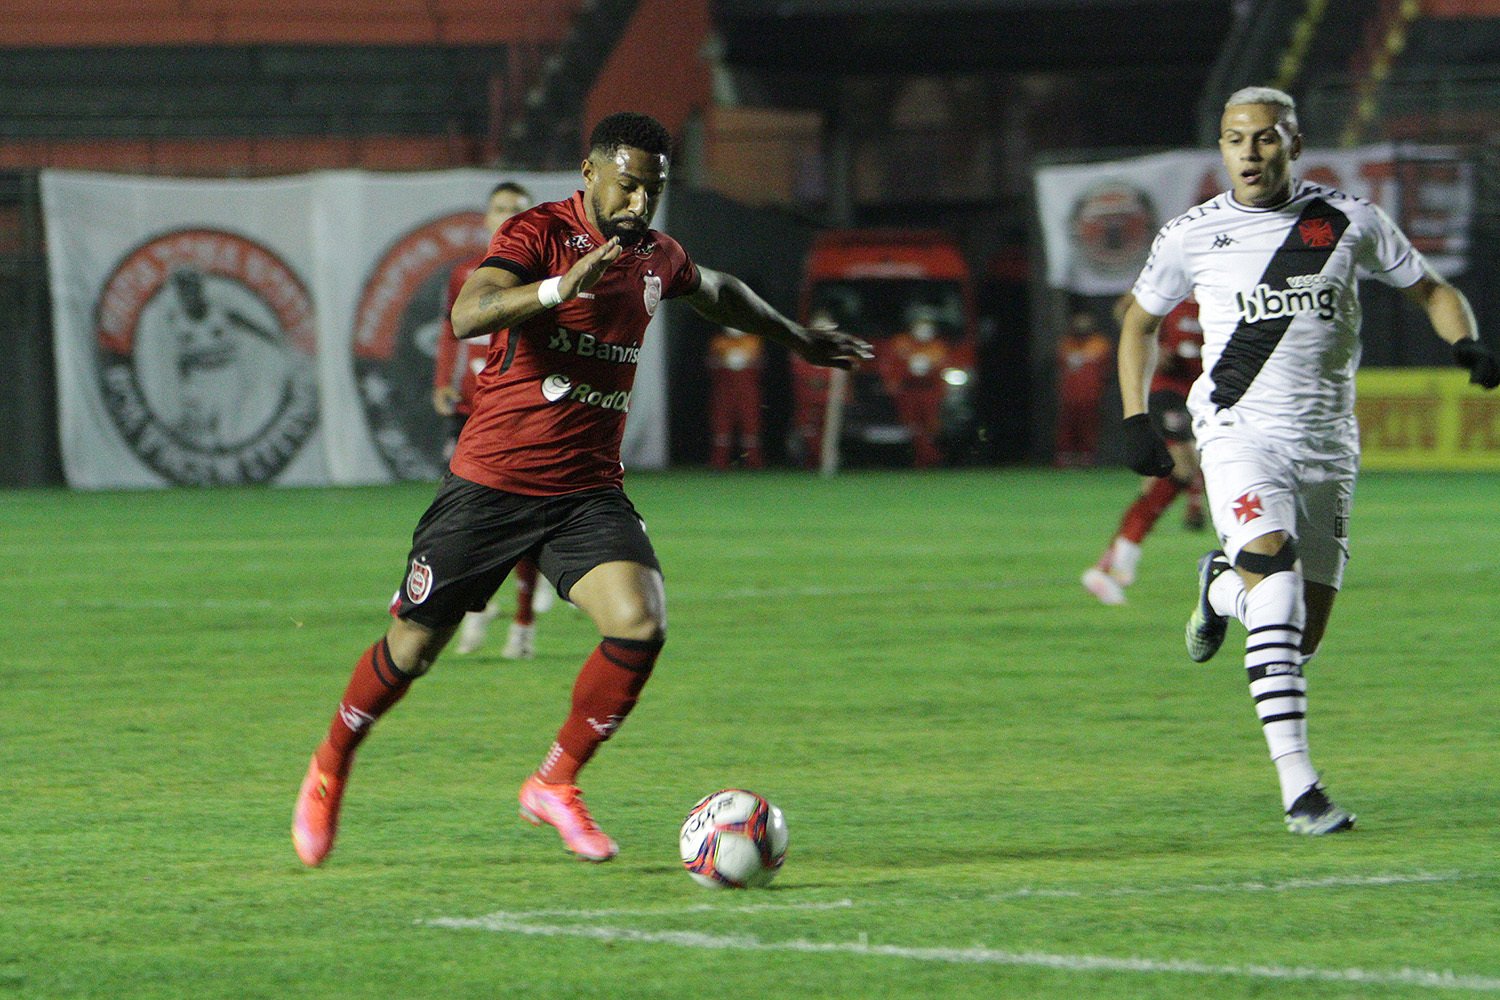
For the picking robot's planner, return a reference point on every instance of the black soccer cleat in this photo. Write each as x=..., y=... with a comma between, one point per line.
x=1314, y=814
x=1206, y=628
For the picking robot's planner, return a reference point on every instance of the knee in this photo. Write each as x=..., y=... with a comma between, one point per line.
x=634, y=620
x=414, y=647
x=1272, y=553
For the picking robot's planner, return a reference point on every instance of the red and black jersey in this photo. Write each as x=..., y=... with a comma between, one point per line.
x=459, y=362
x=550, y=409
x=1180, y=352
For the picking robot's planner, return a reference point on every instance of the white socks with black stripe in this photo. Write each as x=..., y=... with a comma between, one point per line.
x=1273, y=613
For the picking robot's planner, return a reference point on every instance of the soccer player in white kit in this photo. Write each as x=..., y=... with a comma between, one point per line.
x=1274, y=263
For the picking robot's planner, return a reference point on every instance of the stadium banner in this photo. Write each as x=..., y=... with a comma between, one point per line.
x=1426, y=419
x=274, y=330
x=1098, y=219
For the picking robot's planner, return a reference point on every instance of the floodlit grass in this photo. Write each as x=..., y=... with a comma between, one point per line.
x=995, y=787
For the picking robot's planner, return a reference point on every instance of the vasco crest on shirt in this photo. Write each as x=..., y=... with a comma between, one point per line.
x=652, y=293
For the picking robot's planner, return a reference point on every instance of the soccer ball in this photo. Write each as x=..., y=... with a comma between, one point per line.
x=733, y=839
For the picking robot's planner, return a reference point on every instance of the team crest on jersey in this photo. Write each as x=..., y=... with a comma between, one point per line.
x=580, y=242
x=1316, y=233
x=206, y=346
x=652, y=293
x=419, y=581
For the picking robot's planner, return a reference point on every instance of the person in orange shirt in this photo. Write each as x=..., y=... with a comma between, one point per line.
x=911, y=368
x=735, y=362
x=454, y=382
x=1083, y=363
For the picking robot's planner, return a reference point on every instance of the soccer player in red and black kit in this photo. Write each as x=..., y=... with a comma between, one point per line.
x=565, y=293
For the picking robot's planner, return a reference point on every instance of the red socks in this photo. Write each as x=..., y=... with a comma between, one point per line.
x=603, y=695
x=1138, y=520
x=606, y=690
x=375, y=686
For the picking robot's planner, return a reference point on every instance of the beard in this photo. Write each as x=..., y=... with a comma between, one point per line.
x=627, y=229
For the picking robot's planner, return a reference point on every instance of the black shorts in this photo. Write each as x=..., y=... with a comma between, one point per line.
x=471, y=536
x=1169, y=415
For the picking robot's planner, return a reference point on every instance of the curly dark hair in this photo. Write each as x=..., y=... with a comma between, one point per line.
x=633, y=130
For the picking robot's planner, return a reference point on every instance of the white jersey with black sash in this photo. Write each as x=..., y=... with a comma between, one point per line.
x=1279, y=305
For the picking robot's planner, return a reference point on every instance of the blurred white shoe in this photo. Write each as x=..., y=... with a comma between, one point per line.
x=543, y=595
x=521, y=643
x=1103, y=586
x=473, y=629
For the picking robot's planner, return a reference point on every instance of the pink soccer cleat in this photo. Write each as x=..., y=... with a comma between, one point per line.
x=316, y=819
x=562, y=806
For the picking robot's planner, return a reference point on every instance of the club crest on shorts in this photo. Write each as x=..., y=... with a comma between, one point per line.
x=652, y=293
x=1248, y=507
x=418, y=581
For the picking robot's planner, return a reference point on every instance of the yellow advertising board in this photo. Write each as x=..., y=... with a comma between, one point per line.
x=1426, y=418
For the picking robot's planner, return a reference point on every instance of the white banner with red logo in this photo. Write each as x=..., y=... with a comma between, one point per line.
x=271, y=331
x=1098, y=219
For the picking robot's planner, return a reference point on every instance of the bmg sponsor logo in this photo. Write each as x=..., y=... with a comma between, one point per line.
x=1266, y=303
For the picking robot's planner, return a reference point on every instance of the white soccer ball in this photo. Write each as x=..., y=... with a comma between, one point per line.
x=733, y=839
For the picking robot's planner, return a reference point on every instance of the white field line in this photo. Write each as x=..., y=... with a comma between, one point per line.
x=674, y=911
x=514, y=923
x=1287, y=885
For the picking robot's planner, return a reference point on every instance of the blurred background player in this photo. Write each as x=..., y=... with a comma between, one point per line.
x=1083, y=355
x=735, y=362
x=911, y=368
x=1180, y=361
x=1274, y=407
x=455, y=379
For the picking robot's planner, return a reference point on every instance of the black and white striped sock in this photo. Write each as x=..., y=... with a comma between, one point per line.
x=1274, y=614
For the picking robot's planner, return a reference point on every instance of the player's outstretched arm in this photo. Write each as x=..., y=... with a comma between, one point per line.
x=494, y=299
x=1145, y=451
x=726, y=300
x=1452, y=317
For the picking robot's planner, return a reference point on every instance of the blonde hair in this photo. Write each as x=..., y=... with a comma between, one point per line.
x=1267, y=95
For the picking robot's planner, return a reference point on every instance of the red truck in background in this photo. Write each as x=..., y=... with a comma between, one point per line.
x=910, y=293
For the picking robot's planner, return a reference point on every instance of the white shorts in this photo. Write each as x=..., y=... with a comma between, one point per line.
x=1255, y=487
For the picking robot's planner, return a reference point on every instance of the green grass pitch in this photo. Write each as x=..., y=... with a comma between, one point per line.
x=995, y=787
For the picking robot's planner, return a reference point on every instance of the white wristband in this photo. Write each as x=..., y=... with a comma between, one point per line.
x=547, y=293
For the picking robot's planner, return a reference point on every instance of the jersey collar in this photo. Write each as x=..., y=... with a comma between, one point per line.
x=1255, y=209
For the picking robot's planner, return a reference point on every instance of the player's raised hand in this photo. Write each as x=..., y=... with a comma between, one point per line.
x=832, y=347
x=1145, y=451
x=1480, y=360
x=589, y=268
